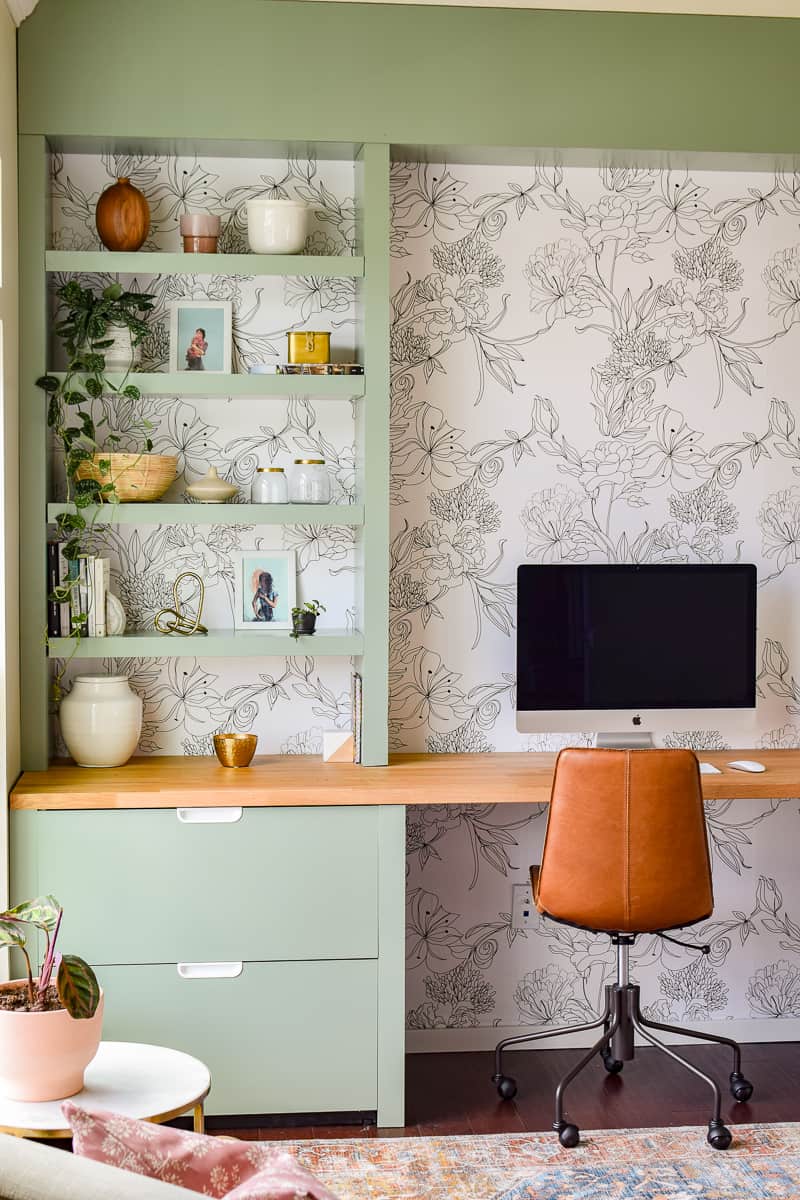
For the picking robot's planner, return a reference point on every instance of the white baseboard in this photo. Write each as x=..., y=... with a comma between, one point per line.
x=430, y=1041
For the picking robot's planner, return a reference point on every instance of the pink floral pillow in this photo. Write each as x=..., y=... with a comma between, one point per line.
x=234, y=1170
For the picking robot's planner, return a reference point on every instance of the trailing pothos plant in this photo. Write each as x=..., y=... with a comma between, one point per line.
x=75, y=981
x=84, y=327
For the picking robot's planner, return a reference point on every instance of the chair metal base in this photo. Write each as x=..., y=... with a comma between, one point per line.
x=621, y=1019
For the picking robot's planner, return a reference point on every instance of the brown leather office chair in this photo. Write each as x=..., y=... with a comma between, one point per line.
x=626, y=853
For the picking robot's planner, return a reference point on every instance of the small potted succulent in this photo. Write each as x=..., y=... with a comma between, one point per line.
x=50, y=1026
x=304, y=618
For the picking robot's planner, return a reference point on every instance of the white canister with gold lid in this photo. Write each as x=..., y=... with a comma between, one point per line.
x=310, y=482
x=269, y=486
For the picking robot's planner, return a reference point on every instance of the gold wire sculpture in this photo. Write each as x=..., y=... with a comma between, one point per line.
x=175, y=620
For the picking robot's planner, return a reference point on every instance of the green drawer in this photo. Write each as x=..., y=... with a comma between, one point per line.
x=281, y=1038
x=146, y=887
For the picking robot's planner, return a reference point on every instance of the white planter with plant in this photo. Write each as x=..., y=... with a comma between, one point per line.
x=122, y=354
x=50, y=1026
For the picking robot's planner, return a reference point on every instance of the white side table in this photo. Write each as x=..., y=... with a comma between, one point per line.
x=152, y=1083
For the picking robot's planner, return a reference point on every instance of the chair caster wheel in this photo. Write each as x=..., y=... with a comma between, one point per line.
x=611, y=1064
x=741, y=1088
x=568, y=1135
x=719, y=1136
x=506, y=1087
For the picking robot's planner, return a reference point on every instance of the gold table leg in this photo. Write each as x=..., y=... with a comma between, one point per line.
x=199, y=1118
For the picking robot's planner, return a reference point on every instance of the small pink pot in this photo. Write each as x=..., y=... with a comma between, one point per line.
x=43, y=1055
x=200, y=232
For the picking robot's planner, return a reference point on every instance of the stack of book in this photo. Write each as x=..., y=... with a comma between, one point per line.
x=77, y=590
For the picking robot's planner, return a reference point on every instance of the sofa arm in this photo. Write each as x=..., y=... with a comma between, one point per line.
x=30, y=1171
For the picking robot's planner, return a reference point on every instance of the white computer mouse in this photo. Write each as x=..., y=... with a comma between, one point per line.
x=747, y=764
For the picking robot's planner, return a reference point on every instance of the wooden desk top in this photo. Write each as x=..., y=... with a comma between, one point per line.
x=288, y=781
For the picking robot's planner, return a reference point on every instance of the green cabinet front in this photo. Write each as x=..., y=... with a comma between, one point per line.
x=281, y=1037
x=161, y=886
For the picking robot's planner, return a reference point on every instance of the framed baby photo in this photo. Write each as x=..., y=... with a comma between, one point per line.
x=264, y=589
x=200, y=336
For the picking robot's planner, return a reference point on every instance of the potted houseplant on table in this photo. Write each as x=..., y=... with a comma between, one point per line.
x=97, y=468
x=304, y=617
x=50, y=1025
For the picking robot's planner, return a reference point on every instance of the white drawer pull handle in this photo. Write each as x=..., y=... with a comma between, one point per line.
x=210, y=970
x=209, y=816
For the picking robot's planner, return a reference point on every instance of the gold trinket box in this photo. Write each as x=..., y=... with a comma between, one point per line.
x=308, y=346
x=337, y=368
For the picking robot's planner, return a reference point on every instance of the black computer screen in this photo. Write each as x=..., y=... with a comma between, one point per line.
x=649, y=636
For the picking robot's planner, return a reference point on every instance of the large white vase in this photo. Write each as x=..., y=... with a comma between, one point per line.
x=101, y=720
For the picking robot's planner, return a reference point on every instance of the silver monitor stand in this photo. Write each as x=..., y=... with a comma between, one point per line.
x=626, y=740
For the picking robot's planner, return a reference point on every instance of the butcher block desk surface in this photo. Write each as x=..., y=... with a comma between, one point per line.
x=289, y=781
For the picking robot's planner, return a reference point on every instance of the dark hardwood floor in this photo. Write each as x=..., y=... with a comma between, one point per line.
x=453, y=1093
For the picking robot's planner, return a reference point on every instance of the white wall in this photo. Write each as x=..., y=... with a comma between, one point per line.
x=9, y=508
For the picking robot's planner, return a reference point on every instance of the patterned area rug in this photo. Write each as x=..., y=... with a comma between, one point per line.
x=644, y=1164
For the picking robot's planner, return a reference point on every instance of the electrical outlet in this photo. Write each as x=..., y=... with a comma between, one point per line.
x=523, y=911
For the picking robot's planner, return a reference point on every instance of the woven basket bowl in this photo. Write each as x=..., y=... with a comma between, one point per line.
x=135, y=476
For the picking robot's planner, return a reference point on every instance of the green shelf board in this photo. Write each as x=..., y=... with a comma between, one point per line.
x=155, y=263
x=199, y=383
x=217, y=514
x=216, y=644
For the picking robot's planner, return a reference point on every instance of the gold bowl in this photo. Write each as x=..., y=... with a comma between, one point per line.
x=235, y=749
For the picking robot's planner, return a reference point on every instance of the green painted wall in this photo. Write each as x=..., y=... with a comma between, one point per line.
x=265, y=68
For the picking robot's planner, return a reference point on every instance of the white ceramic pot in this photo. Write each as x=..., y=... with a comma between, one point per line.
x=276, y=226
x=43, y=1055
x=101, y=720
x=121, y=355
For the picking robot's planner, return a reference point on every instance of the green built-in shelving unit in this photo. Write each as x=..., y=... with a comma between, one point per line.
x=216, y=644
x=368, y=517
x=318, y=387
x=218, y=514
x=164, y=263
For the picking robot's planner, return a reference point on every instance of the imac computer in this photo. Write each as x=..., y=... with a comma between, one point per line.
x=627, y=650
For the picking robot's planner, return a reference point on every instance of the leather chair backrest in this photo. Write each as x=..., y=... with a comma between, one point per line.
x=626, y=848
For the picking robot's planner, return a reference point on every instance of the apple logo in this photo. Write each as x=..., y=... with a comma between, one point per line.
x=637, y=720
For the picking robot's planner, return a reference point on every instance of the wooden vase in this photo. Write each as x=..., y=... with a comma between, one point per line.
x=122, y=216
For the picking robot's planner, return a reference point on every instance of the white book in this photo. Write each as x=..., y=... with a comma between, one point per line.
x=87, y=592
x=102, y=579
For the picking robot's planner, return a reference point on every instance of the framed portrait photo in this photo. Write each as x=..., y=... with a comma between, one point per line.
x=264, y=589
x=200, y=336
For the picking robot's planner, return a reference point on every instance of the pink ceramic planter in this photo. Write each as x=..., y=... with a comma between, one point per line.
x=43, y=1055
x=200, y=232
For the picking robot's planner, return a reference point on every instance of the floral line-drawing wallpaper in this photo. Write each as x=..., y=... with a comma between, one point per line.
x=289, y=703
x=587, y=365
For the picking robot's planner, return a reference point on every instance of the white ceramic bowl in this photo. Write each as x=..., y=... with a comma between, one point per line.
x=276, y=226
